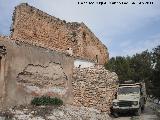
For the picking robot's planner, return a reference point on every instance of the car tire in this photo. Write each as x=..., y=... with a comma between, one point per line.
x=143, y=107
x=138, y=112
x=115, y=115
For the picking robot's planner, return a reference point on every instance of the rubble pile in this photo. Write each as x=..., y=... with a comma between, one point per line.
x=94, y=87
x=66, y=112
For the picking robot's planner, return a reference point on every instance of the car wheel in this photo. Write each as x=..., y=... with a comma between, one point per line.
x=138, y=112
x=115, y=115
x=142, y=109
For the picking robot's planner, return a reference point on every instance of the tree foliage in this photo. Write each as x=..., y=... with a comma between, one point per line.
x=143, y=66
x=156, y=72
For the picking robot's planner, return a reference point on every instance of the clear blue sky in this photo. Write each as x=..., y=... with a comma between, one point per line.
x=124, y=29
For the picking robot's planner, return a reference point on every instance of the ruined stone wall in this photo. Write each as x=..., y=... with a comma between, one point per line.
x=94, y=87
x=30, y=71
x=36, y=27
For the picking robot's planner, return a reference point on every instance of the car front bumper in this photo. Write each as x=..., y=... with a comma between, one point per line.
x=125, y=109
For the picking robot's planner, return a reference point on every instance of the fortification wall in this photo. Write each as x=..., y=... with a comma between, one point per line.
x=27, y=71
x=36, y=27
x=94, y=87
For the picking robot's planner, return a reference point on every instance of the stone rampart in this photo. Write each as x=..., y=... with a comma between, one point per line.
x=36, y=27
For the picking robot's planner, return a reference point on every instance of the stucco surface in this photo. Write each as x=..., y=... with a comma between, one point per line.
x=33, y=71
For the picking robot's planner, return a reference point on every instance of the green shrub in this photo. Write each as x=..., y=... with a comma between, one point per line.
x=46, y=100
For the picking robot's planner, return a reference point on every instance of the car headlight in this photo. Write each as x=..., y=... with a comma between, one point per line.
x=115, y=103
x=135, y=102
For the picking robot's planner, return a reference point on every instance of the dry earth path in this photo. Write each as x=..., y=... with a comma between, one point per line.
x=148, y=114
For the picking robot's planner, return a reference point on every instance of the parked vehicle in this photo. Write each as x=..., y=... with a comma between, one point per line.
x=129, y=97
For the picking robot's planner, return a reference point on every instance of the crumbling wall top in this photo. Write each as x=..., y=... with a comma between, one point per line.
x=37, y=27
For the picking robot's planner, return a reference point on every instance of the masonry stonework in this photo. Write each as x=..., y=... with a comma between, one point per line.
x=34, y=62
x=94, y=87
x=36, y=27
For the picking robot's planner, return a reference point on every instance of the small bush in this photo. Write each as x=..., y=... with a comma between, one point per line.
x=46, y=100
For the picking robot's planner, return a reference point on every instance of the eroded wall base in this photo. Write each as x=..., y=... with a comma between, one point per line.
x=43, y=80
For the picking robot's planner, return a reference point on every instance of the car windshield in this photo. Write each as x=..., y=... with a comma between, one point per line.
x=127, y=90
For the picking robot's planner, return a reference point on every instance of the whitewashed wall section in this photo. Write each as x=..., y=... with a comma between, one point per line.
x=83, y=63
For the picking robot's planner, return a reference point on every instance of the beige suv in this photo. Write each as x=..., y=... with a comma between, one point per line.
x=129, y=97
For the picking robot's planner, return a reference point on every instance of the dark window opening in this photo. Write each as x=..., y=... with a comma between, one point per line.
x=97, y=58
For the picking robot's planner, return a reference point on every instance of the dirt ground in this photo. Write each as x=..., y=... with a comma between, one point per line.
x=148, y=114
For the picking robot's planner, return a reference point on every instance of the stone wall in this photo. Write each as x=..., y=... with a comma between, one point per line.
x=28, y=71
x=36, y=27
x=94, y=87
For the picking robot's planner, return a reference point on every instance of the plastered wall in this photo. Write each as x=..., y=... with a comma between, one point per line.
x=28, y=71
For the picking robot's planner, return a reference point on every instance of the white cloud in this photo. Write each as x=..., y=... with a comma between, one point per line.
x=108, y=22
x=140, y=46
x=125, y=43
